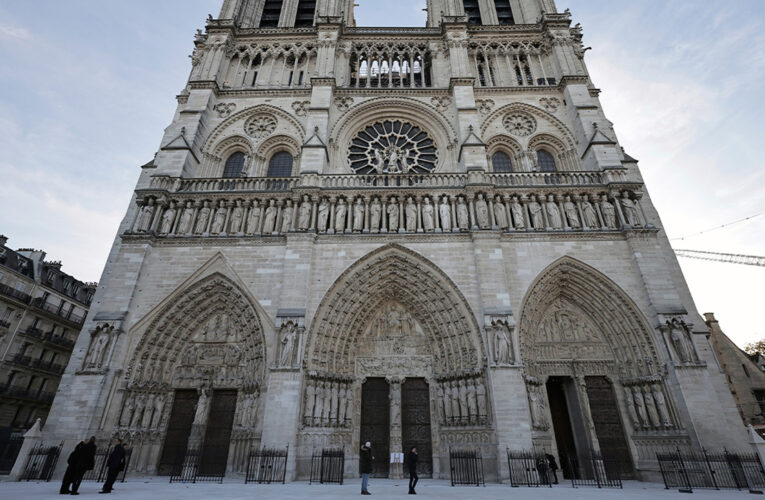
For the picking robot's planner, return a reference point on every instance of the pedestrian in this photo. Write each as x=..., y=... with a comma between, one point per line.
x=114, y=464
x=553, y=467
x=86, y=460
x=71, y=467
x=365, y=467
x=411, y=462
x=542, y=469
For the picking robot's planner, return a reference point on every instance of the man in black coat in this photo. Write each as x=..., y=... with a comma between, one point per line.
x=365, y=466
x=114, y=464
x=71, y=466
x=411, y=462
x=553, y=467
x=85, y=461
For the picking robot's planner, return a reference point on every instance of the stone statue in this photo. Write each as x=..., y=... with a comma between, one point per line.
x=220, y=218
x=463, y=220
x=288, y=341
x=147, y=215
x=631, y=212
x=517, y=211
x=326, y=405
x=553, y=213
x=184, y=226
x=148, y=412
x=358, y=216
x=159, y=408
x=253, y=225
x=203, y=217
x=393, y=162
x=318, y=408
x=590, y=216
x=97, y=350
x=637, y=395
x=609, y=213
x=480, y=395
x=393, y=215
x=482, y=212
x=379, y=162
x=323, y=215
x=375, y=212
x=471, y=402
x=304, y=215
x=269, y=220
x=445, y=399
x=535, y=212
x=463, y=401
x=340, y=213
x=334, y=400
x=200, y=417
x=342, y=405
x=140, y=404
x=455, y=401
x=236, y=217
x=127, y=412
x=681, y=344
x=502, y=353
x=500, y=214
x=445, y=212
x=661, y=406
x=650, y=405
x=411, y=215
x=630, y=402
x=572, y=215
x=310, y=401
x=440, y=403
x=537, y=409
x=287, y=214
x=428, y=223
x=395, y=404
x=167, y=219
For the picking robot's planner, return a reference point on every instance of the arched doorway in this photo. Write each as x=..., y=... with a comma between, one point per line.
x=395, y=324
x=592, y=369
x=195, y=380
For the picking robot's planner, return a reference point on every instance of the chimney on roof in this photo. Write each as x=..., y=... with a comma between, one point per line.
x=3, y=240
x=56, y=264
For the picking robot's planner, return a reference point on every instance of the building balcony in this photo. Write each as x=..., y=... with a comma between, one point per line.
x=56, y=341
x=27, y=395
x=55, y=310
x=37, y=364
x=15, y=294
x=5, y=324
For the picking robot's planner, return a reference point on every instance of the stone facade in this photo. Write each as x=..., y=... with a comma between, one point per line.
x=449, y=204
x=42, y=310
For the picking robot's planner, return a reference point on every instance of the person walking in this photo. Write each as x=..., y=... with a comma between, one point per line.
x=542, y=469
x=66, y=483
x=553, y=467
x=411, y=462
x=365, y=467
x=115, y=463
x=86, y=460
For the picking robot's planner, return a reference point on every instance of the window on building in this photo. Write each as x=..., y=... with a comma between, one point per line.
x=272, y=10
x=7, y=314
x=473, y=12
x=234, y=165
x=500, y=162
x=280, y=165
x=759, y=395
x=305, y=13
x=546, y=161
x=504, y=12
x=20, y=286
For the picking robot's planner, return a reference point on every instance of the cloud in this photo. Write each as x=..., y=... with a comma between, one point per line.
x=10, y=33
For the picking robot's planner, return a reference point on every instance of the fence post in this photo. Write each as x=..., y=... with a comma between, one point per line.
x=31, y=439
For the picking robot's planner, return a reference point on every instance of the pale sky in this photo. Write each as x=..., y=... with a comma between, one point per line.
x=87, y=87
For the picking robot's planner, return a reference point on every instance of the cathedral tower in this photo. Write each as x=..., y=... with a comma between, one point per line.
x=419, y=236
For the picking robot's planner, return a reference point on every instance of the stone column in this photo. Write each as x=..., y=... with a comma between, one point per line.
x=396, y=445
x=453, y=203
x=331, y=229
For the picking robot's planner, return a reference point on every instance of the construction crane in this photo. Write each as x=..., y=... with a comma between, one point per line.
x=731, y=258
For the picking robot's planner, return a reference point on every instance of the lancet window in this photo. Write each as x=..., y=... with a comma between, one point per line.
x=272, y=10
x=504, y=12
x=234, y=165
x=268, y=66
x=388, y=67
x=546, y=161
x=473, y=12
x=500, y=162
x=509, y=65
x=305, y=13
x=280, y=165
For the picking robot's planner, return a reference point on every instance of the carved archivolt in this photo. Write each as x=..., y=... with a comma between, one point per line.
x=417, y=286
x=574, y=314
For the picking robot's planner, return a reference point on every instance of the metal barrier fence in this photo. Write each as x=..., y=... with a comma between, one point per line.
x=9, y=450
x=596, y=472
x=529, y=468
x=191, y=468
x=466, y=467
x=98, y=473
x=706, y=470
x=41, y=463
x=328, y=466
x=267, y=466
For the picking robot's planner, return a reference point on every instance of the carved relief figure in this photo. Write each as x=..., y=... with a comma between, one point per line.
x=358, y=215
x=537, y=406
x=236, y=217
x=650, y=405
x=631, y=212
x=127, y=412
x=661, y=405
x=375, y=211
x=184, y=226
x=220, y=219
x=454, y=394
x=202, y=218
x=681, y=343
x=269, y=220
x=572, y=215
x=609, y=213
x=637, y=394
x=553, y=213
x=393, y=214
x=500, y=215
x=535, y=212
x=140, y=404
x=310, y=400
x=630, y=402
x=502, y=345
x=517, y=211
x=253, y=225
x=445, y=212
x=97, y=350
x=287, y=215
x=288, y=343
x=304, y=216
x=427, y=216
x=482, y=212
x=411, y=215
x=340, y=212
x=590, y=216
x=480, y=394
x=159, y=409
x=323, y=215
x=148, y=412
x=462, y=214
x=342, y=405
x=203, y=406
x=167, y=219
x=472, y=403
x=147, y=215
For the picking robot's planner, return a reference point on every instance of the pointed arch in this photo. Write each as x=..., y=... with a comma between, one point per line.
x=580, y=290
x=394, y=273
x=562, y=131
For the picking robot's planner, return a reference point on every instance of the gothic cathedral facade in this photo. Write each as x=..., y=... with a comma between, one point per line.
x=423, y=236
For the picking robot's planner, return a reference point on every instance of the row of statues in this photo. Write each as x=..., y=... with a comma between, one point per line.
x=143, y=411
x=647, y=407
x=328, y=403
x=405, y=214
x=462, y=402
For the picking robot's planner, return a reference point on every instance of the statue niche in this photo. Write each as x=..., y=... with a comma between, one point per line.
x=394, y=332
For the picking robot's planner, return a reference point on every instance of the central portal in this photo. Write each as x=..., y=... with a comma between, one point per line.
x=375, y=422
x=415, y=424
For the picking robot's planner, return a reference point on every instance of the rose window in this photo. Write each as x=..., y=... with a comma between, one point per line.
x=260, y=126
x=392, y=147
x=520, y=124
